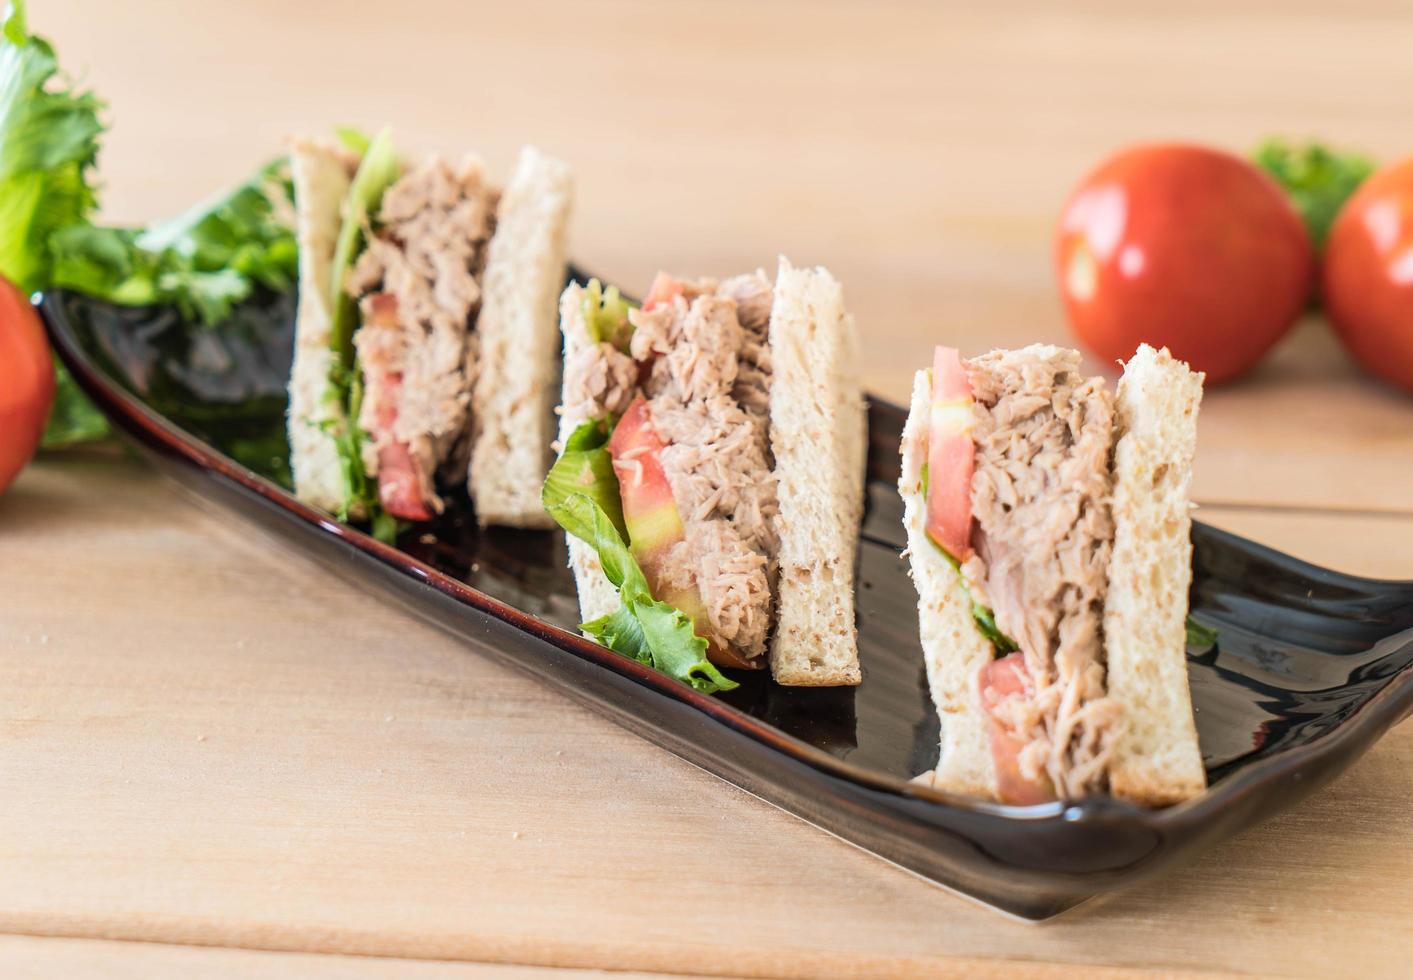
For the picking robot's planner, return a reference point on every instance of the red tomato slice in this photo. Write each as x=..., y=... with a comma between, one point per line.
x=664, y=290
x=951, y=456
x=654, y=523
x=649, y=509
x=399, y=488
x=999, y=680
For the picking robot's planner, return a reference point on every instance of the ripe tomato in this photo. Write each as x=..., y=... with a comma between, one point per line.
x=1182, y=247
x=1368, y=274
x=26, y=382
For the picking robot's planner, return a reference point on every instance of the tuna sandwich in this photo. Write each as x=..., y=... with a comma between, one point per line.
x=1048, y=527
x=711, y=476
x=425, y=352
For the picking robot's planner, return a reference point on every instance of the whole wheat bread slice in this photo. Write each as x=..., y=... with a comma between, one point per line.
x=322, y=174
x=514, y=392
x=1157, y=760
x=597, y=596
x=953, y=649
x=817, y=436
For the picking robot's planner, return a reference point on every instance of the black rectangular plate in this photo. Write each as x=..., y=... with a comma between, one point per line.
x=1309, y=669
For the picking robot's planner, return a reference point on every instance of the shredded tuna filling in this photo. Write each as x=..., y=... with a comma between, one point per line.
x=418, y=286
x=703, y=363
x=1043, y=536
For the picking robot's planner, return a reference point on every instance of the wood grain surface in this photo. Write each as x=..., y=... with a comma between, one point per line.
x=206, y=741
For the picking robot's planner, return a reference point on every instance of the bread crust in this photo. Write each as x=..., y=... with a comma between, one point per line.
x=953, y=649
x=597, y=596
x=322, y=174
x=817, y=421
x=514, y=394
x=1157, y=759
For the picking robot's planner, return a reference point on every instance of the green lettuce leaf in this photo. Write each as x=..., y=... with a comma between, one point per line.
x=48, y=144
x=1319, y=180
x=203, y=262
x=621, y=632
x=586, y=467
x=662, y=637
x=1199, y=635
x=643, y=628
x=385, y=527
x=606, y=315
x=73, y=419
x=353, y=139
x=986, y=623
x=16, y=26
x=578, y=514
x=360, y=489
x=658, y=634
x=378, y=171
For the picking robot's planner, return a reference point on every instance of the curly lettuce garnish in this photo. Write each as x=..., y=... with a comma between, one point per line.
x=581, y=494
x=1319, y=180
x=48, y=145
x=584, y=466
x=203, y=262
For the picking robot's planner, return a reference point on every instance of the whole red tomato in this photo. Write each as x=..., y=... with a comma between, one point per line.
x=1184, y=247
x=26, y=382
x=1368, y=274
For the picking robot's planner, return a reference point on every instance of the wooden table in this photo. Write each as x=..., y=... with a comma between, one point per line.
x=213, y=748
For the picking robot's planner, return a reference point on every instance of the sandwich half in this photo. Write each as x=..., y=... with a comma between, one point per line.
x=1048, y=525
x=424, y=331
x=718, y=431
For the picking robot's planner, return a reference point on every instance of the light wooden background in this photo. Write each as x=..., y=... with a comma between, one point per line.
x=209, y=742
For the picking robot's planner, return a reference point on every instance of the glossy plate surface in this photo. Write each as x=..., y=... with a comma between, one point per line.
x=1310, y=666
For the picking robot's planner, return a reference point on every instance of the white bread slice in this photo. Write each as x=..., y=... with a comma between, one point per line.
x=514, y=392
x=322, y=174
x=597, y=596
x=816, y=434
x=953, y=649
x=1157, y=760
